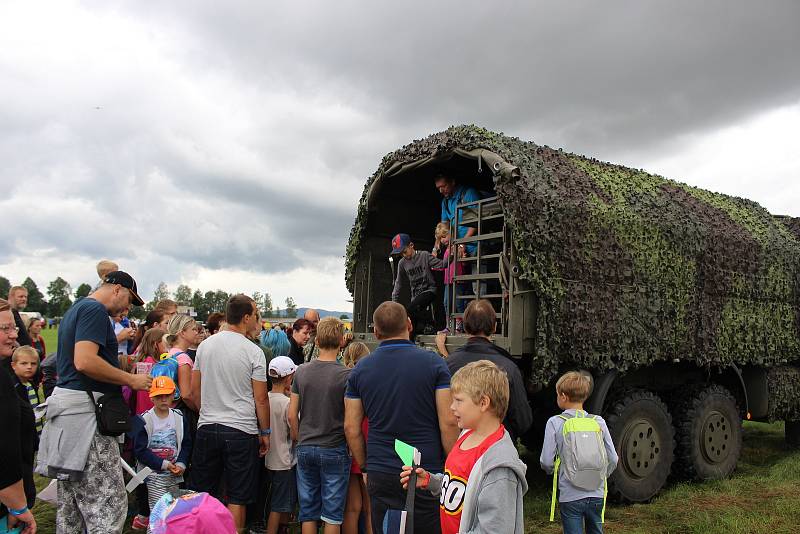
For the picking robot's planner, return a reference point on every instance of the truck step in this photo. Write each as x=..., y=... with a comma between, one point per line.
x=483, y=257
x=483, y=276
x=482, y=237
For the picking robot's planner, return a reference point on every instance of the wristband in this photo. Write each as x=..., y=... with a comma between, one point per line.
x=265, y=432
x=427, y=480
x=17, y=512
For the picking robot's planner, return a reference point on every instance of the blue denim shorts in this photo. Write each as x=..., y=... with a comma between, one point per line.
x=322, y=478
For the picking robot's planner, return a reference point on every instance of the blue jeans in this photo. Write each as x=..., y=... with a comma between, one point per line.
x=574, y=513
x=322, y=477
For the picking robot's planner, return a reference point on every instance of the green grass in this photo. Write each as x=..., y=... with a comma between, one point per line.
x=50, y=336
x=760, y=497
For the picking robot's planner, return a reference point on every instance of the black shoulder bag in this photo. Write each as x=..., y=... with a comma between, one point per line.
x=111, y=411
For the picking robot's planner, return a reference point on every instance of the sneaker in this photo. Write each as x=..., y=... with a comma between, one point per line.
x=459, y=326
x=258, y=527
x=140, y=522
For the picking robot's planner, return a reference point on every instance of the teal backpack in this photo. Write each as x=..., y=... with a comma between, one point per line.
x=583, y=457
x=168, y=367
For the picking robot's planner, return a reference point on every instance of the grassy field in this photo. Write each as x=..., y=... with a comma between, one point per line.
x=50, y=336
x=761, y=497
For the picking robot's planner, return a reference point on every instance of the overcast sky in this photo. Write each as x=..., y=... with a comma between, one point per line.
x=226, y=144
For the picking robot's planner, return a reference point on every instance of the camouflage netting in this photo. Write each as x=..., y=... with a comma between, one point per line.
x=783, y=383
x=632, y=268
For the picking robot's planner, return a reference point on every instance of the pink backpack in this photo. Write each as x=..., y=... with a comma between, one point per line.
x=195, y=513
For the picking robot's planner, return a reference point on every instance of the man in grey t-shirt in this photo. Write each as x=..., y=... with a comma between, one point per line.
x=316, y=418
x=229, y=383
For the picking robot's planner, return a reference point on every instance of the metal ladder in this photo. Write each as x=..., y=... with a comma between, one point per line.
x=486, y=265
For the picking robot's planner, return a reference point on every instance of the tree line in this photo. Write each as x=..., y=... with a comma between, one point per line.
x=60, y=297
x=212, y=301
x=59, y=293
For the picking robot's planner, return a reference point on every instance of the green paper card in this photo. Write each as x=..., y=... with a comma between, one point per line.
x=405, y=452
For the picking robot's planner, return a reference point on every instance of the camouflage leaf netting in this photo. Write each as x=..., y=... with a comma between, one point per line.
x=631, y=268
x=783, y=383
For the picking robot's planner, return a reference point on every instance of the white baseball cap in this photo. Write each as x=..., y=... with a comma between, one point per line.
x=281, y=366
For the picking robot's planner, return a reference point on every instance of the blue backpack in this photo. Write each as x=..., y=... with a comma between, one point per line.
x=168, y=366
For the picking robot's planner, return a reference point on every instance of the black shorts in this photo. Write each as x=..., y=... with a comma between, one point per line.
x=227, y=455
x=283, y=490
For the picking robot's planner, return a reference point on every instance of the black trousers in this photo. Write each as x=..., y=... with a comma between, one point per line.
x=416, y=307
x=385, y=493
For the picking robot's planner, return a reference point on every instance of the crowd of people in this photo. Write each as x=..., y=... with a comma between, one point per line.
x=282, y=424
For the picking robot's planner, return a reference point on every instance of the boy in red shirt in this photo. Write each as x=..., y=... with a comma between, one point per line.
x=483, y=470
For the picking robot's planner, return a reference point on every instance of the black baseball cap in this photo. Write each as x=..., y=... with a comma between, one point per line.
x=125, y=280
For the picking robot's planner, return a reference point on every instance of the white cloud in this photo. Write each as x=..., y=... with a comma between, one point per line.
x=757, y=159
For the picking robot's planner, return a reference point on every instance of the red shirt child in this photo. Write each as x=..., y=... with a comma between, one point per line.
x=483, y=458
x=457, y=468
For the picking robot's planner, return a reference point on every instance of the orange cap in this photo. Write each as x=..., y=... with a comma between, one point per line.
x=162, y=385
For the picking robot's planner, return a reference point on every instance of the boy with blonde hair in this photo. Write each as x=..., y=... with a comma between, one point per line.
x=316, y=418
x=581, y=481
x=25, y=363
x=483, y=482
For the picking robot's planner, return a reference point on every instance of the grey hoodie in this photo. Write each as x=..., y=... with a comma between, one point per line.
x=67, y=434
x=493, y=501
x=418, y=269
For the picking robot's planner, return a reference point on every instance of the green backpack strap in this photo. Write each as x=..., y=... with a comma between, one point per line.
x=555, y=489
x=555, y=477
x=605, y=495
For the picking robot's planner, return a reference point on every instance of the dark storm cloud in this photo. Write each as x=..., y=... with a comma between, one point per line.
x=593, y=75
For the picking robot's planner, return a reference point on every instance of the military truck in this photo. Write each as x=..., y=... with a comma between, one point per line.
x=683, y=304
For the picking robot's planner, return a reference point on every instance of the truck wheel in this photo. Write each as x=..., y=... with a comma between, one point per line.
x=641, y=428
x=709, y=434
x=792, y=433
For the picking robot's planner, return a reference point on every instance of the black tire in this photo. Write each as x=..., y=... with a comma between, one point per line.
x=792, y=434
x=641, y=428
x=708, y=433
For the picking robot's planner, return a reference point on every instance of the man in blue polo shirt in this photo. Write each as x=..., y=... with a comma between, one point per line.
x=404, y=392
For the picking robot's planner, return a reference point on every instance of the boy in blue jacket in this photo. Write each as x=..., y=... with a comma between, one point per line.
x=161, y=441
